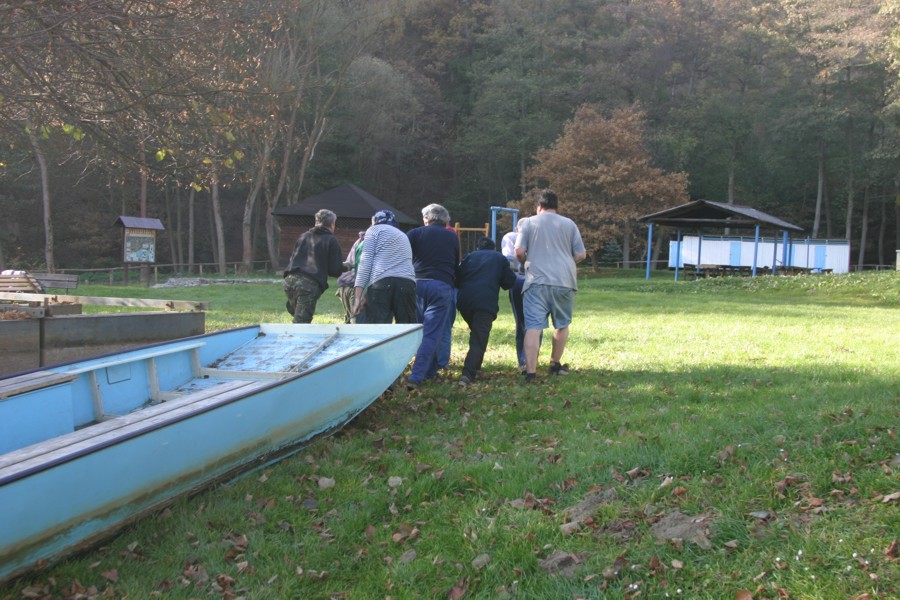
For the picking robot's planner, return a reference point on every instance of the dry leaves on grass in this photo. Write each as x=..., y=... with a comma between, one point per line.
x=561, y=563
x=679, y=526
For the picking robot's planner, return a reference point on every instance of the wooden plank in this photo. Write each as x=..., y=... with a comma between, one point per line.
x=30, y=382
x=230, y=374
x=33, y=312
x=104, y=301
x=88, y=437
x=152, y=353
x=22, y=282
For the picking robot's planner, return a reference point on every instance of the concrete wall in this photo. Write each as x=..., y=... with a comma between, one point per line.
x=20, y=345
x=40, y=342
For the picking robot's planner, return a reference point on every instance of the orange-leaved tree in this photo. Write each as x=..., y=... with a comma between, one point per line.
x=603, y=174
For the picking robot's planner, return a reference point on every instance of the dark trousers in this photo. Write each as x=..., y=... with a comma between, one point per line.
x=480, y=323
x=391, y=298
x=515, y=302
x=302, y=295
x=433, y=300
x=518, y=311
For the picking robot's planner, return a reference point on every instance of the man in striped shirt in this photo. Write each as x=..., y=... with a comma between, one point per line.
x=385, y=278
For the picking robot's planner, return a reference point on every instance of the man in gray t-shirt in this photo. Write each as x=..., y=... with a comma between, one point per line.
x=549, y=245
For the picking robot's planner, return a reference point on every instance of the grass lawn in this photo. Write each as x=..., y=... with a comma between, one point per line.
x=725, y=438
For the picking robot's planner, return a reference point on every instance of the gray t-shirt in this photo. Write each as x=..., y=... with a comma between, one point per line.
x=552, y=242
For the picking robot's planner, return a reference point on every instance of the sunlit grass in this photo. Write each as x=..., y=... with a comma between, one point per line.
x=769, y=405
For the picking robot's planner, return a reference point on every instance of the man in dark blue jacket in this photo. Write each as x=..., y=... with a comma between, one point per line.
x=479, y=279
x=435, y=252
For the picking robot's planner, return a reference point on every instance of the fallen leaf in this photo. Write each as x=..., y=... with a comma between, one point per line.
x=561, y=563
x=762, y=515
x=481, y=561
x=570, y=528
x=458, y=590
x=891, y=551
x=395, y=481
x=731, y=545
x=677, y=564
x=838, y=477
x=743, y=595
x=110, y=575
x=325, y=483
x=891, y=497
x=407, y=557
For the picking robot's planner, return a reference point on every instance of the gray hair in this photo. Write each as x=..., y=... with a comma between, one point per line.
x=325, y=218
x=435, y=213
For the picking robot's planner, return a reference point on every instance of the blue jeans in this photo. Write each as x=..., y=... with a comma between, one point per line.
x=433, y=300
x=443, y=353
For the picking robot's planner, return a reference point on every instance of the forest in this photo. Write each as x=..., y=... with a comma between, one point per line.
x=209, y=115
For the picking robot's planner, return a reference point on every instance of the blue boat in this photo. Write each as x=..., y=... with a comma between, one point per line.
x=88, y=446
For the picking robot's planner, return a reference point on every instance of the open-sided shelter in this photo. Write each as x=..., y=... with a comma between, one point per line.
x=353, y=206
x=706, y=214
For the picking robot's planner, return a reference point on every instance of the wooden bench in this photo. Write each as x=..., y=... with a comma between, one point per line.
x=29, y=382
x=20, y=282
x=63, y=281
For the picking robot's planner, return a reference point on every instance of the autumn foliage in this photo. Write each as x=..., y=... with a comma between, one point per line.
x=603, y=174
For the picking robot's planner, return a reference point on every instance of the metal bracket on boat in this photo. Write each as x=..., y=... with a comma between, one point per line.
x=327, y=342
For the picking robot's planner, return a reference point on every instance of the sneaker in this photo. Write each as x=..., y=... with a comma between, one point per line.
x=522, y=368
x=464, y=381
x=411, y=385
x=530, y=378
x=559, y=369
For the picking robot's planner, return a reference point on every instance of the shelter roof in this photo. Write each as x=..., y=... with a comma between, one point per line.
x=140, y=223
x=345, y=200
x=706, y=213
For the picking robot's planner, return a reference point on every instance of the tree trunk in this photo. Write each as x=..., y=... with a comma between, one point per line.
x=820, y=191
x=864, y=230
x=730, y=187
x=179, y=229
x=145, y=268
x=848, y=229
x=45, y=200
x=250, y=204
x=217, y=222
x=657, y=249
x=172, y=232
x=882, y=228
x=626, y=249
x=191, y=228
x=213, y=245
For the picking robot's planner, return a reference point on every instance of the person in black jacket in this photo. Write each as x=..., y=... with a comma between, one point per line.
x=317, y=255
x=479, y=278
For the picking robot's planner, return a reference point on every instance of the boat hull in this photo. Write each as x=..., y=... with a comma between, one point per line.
x=68, y=497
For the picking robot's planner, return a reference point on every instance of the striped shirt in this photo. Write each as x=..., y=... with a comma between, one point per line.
x=386, y=253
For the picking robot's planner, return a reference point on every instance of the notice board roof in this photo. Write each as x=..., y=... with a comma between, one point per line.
x=140, y=223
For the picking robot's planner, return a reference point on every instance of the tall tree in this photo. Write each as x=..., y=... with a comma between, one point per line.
x=604, y=175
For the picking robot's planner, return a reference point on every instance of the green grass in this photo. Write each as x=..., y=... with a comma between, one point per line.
x=727, y=398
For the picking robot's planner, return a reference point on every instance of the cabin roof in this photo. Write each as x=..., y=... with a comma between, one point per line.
x=706, y=213
x=348, y=200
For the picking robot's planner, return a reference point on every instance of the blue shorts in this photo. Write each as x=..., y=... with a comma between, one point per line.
x=541, y=301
